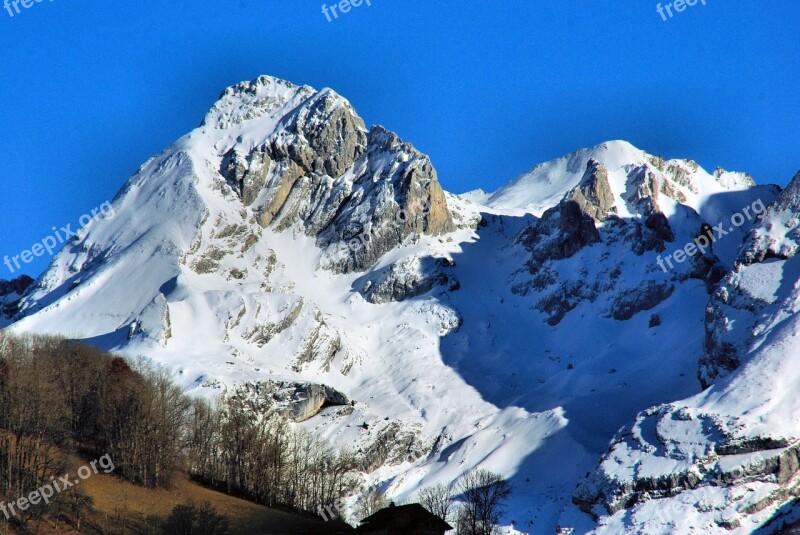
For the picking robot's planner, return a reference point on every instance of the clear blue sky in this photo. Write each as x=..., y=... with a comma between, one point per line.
x=90, y=89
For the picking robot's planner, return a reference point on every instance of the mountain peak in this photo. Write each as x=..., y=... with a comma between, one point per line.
x=618, y=145
x=546, y=184
x=252, y=99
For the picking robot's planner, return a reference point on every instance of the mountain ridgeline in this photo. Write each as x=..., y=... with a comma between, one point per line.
x=535, y=331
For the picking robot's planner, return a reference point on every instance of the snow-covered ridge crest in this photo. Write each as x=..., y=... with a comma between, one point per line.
x=679, y=181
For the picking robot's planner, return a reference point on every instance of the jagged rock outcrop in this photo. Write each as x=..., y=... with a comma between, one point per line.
x=643, y=190
x=653, y=235
x=321, y=345
x=779, y=234
x=262, y=333
x=11, y=292
x=659, y=224
x=561, y=232
x=393, y=444
x=404, y=279
x=726, y=464
x=16, y=286
x=323, y=138
x=359, y=193
x=593, y=195
x=299, y=402
x=646, y=296
x=284, y=241
x=396, y=196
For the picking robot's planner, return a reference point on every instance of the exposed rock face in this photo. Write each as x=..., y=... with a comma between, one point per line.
x=11, y=292
x=642, y=298
x=659, y=224
x=17, y=286
x=780, y=237
x=680, y=173
x=564, y=298
x=248, y=174
x=299, y=402
x=321, y=345
x=262, y=333
x=720, y=356
x=359, y=193
x=643, y=190
x=212, y=266
x=708, y=268
x=394, y=444
x=560, y=233
x=405, y=279
x=730, y=463
x=396, y=196
x=325, y=137
x=565, y=230
x=593, y=195
x=652, y=236
x=322, y=138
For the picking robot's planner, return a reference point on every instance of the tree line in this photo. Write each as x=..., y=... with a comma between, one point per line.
x=59, y=397
x=241, y=444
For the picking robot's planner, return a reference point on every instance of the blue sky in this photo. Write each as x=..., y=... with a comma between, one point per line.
x=91, y=89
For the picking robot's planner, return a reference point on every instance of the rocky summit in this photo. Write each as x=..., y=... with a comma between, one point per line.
x=553, y=331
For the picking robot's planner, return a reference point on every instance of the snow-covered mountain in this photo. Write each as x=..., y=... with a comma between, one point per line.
x=283, y=242
x=727, y=457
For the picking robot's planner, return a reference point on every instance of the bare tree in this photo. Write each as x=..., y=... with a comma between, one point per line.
x=437, y=499
x=370, y=503
x=485, y=494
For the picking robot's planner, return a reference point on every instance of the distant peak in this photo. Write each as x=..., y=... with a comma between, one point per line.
x=619, y=144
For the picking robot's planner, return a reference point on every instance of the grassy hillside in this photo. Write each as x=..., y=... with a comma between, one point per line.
x=121, y=508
